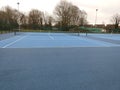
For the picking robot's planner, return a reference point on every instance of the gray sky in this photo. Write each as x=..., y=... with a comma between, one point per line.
x=106, y=8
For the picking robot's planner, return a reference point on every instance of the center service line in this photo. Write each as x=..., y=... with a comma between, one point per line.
x=50, y=36
x=13, y=42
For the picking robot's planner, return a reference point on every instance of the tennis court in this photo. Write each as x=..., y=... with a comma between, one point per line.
x=59, y=61
x=43, y=40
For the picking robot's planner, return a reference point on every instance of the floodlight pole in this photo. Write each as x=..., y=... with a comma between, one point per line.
x=96, y=17
x=18, y=16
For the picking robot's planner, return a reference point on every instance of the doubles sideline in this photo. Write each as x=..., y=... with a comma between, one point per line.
x=13, y=42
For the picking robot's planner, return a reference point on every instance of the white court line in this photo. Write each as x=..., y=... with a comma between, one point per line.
x=51, y=37
x=13, y=42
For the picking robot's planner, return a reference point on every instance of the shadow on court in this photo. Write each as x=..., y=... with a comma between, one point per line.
x=60, y=69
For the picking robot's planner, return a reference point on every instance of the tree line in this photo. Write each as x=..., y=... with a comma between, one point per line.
x=66, y=16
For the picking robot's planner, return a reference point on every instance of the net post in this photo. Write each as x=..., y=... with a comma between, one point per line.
x=15, y=32
x=78, y=33
x=86, y=33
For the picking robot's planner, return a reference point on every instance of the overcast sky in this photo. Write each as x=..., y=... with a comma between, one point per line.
x=106, y=8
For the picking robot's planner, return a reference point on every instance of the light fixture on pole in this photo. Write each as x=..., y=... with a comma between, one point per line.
x=96, y=17
x=18, y=16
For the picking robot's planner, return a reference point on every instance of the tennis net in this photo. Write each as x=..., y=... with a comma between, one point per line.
x=52, y=33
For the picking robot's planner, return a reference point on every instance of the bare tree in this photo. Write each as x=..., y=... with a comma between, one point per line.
x=79, y=17
x=24, y=21
x=83, y=18
x=116, y=20
x=63, y=12
x=48, y=21
x=9, y=17
x=75, y=12
x=45, y=18
x=3, y=19
x=35, y=18
x=69, y=15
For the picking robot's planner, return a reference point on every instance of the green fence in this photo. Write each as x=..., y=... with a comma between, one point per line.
x=91, y=30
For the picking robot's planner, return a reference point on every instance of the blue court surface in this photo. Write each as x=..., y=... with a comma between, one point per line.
x=107, y=36
x=43, y=40
x=59, y=61
x=80, y=68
